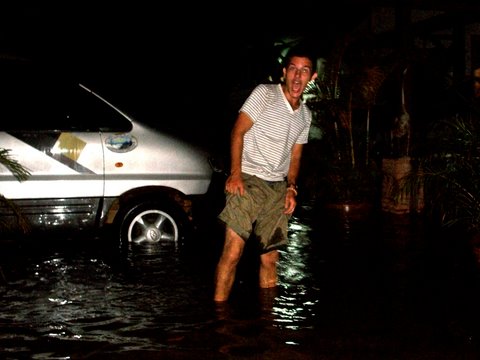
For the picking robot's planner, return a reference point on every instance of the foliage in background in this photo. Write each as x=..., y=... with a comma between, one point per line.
x=448, y=173
x=341, y=99
x=21, y=174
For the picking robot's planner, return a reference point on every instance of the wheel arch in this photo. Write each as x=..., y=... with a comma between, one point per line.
x=169, y=196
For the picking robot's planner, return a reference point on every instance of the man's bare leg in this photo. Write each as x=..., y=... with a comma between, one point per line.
x=227, y=265
x=268, y=269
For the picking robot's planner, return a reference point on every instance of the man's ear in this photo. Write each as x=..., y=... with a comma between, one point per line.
x=314, y=76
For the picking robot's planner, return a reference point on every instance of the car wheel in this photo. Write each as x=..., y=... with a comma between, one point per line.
x=150, y=223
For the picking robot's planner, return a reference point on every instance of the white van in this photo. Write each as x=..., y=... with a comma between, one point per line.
x=92, y=166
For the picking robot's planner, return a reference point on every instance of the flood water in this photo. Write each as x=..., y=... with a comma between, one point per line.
x=349, y=288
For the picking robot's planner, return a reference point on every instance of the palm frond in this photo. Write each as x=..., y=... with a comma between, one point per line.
x=5, y=222
x=21, y=174
x=19, y=171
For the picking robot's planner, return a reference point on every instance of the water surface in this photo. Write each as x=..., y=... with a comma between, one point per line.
x=350, y=287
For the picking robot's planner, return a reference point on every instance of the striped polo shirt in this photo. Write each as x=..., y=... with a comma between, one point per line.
x=276, y=128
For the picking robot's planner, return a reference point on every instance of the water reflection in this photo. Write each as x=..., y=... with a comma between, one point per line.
x=364, y=291
x=295, y=305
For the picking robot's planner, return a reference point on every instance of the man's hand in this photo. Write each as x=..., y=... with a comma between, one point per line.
x=234, y=185
x=290, y=202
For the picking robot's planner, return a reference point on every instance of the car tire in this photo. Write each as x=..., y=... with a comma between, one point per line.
x=150, y=222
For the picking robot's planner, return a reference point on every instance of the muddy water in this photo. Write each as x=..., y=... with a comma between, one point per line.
x=349, y=288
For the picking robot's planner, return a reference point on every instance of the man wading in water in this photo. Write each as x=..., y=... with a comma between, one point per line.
x=266, y=147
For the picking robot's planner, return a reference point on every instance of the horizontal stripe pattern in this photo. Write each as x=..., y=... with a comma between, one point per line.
x=277, y=127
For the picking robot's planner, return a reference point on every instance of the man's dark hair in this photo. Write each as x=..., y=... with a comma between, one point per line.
x=301, y=50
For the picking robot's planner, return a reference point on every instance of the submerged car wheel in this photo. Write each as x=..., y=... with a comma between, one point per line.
x=150, y=223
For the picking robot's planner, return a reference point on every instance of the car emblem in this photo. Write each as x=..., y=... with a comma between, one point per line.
x=121, y=143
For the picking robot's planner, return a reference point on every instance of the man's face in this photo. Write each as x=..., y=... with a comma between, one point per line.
x=297, y=74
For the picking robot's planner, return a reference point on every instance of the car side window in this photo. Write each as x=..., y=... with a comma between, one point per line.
x=86, y=112
x=43, y=106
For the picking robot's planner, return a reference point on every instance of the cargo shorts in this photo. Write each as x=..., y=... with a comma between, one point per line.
x=260, y=210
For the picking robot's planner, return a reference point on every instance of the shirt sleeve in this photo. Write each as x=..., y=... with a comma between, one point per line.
x=256, y=102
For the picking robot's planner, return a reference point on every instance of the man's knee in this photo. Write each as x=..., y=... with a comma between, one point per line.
x=270, y=258
x=268, y=270
x=233, y=247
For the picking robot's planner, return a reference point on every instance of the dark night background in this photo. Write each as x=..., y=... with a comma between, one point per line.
x=183, y=65
x=169, y=64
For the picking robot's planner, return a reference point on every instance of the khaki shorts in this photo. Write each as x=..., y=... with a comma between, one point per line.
x=259, y=210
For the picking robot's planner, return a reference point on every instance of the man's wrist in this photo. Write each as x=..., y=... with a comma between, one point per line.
x=293, y=187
